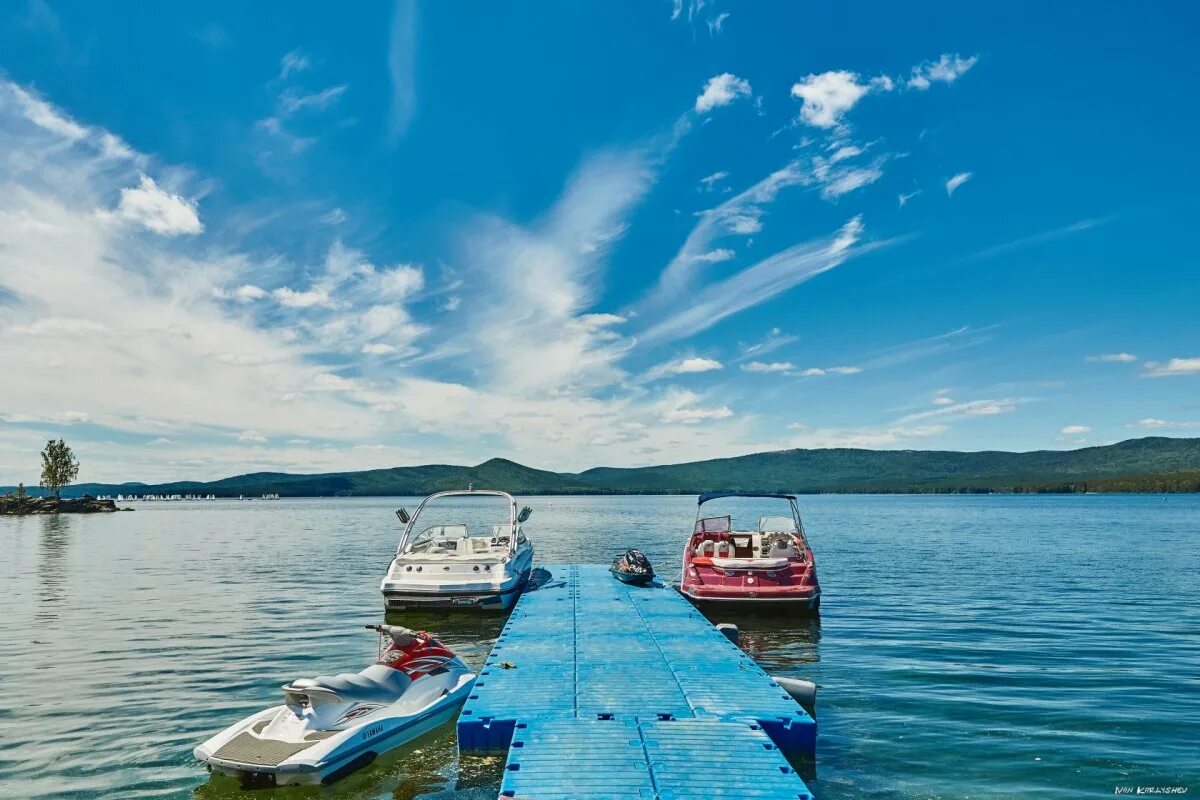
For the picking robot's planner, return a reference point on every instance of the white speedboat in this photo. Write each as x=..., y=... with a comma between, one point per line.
x=442, y=564
x=332, y=725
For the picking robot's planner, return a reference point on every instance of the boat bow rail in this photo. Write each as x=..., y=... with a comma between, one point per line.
x=600, y=689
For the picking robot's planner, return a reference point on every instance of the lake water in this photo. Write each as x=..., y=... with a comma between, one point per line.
x=981, y=647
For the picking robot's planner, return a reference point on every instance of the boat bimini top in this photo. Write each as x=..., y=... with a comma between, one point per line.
x=456, y=541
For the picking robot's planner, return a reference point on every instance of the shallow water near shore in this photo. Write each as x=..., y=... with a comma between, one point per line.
x=968, y=646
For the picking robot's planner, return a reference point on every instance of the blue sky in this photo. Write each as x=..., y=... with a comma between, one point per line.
x=238, y=236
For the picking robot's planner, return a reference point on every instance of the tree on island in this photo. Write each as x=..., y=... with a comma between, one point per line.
x=21, y=490
x=59, y=466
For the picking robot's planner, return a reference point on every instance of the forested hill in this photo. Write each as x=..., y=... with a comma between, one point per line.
x=1152, y=464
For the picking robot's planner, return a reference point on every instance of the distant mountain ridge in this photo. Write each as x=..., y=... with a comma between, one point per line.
x=1154, y=464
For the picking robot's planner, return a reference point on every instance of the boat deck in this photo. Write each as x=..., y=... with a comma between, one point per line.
x=598, y=689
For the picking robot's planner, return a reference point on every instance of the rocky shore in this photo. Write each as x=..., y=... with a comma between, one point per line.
x=13, y=506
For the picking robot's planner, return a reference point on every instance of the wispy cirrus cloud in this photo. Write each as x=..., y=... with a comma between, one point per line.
x=956, y=181
x=947, y=69
x=293, y=62
x=759, y=282
x=1039, y=238
x=292, y=100
x=774, y=340
x=402, y=59
x=1112, y=358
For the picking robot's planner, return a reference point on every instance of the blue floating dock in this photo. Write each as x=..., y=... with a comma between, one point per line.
x=601, y=690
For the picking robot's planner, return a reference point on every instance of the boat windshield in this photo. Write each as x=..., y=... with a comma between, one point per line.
x=462, y=526
x=735, y=514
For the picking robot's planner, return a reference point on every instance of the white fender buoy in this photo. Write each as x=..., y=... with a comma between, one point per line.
x=730, y=630
x=803, y=692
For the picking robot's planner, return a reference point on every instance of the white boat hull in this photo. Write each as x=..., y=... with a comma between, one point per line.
x=240, y=752
x=454, y=589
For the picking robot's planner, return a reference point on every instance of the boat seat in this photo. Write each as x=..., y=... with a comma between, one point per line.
x=375, y=684
x=723, y=550
x=750, y=563
x=706, y=549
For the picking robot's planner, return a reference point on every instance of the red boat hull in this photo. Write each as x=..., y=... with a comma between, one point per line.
x=790, y=585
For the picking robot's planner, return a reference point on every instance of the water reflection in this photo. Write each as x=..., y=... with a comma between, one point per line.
x=55, y=542
x=788, y=644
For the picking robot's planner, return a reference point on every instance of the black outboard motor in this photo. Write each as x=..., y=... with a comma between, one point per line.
x=632, y=567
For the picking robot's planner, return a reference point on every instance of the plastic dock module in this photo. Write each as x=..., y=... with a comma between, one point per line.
x=604, y=691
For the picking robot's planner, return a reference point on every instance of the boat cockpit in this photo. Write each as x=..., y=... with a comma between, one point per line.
x=456, y=541
x=775, y=538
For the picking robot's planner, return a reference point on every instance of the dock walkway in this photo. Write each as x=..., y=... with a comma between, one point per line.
x=601, y=690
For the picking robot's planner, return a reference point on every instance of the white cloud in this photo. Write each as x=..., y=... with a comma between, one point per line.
x=774, y=340
x=708, y=182
x=399, y=282
x=293, y=62
x=721, y=90
x=947, y=69
x=378, y=349
x=335, y=217
x=251, y=437
x=815, y=372
x=714, y=24
x=401, y=61
x=943, y=401
x=827, y=97
x=293, y=101
x=957, y=181
x=45, y=116
x=59, y=327
x=1173, y=367
x=772, y=366
x=680, y=407
x=683, y=366
x=715, y=256
x=1111, y=358
x=161, y=441
x=847, y=180
x=740, y=215
x=1039, y=238
x=757, y=283
x=974, y=408
x=158, y=210
x=844, y=152
x=296, y=299
x=903, y=198
x=242, y=359
x=1072, y=430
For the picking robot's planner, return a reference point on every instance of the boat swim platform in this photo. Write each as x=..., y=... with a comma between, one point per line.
x=599, y=690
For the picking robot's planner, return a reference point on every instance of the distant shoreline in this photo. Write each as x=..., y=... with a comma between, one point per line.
x=1150, y=465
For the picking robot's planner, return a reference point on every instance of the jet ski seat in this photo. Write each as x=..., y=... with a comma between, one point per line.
x=375, y=684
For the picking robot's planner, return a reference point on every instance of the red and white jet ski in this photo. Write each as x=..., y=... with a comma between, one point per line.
x=331, y=725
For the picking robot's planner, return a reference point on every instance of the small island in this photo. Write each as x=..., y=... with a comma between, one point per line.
x=13, y=505
x=59, y=469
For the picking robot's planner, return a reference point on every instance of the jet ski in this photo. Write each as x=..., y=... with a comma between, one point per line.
x=332, y=725
x=632, y=567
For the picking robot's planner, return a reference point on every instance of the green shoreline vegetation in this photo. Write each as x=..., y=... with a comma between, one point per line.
x=1148, y=465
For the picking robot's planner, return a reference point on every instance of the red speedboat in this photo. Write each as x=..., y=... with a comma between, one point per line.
x=768, y=566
